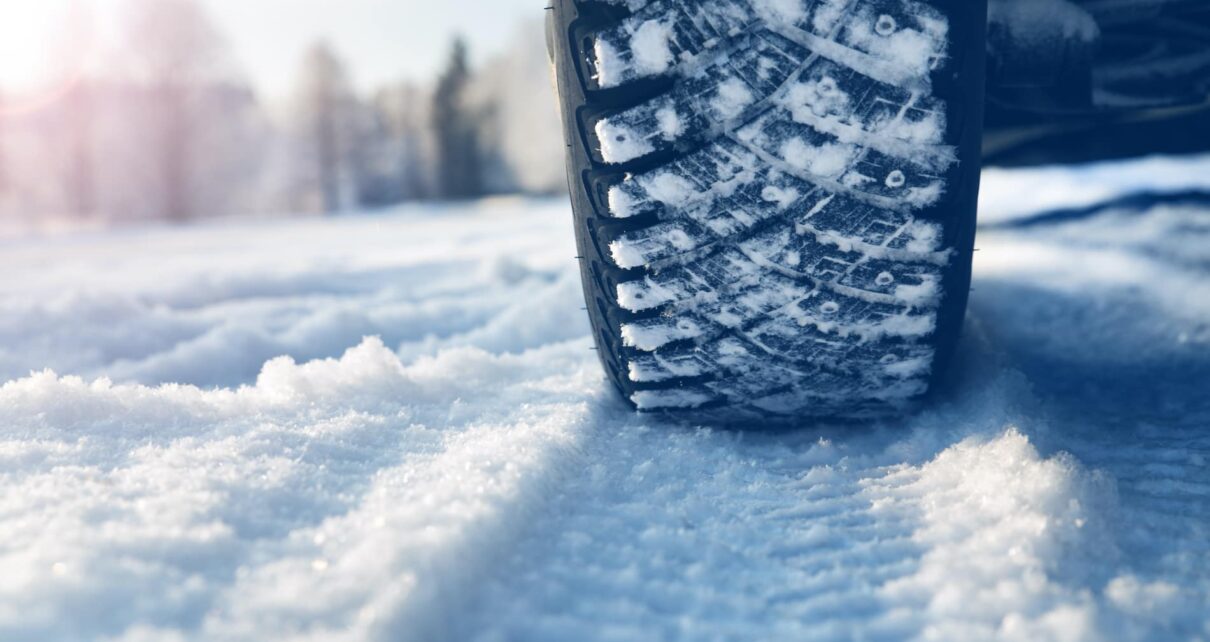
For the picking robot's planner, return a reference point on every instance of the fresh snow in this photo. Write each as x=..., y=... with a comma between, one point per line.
x=783, y=11
x=1008, y=195
x=437, y=455
x=619, y=142
x=650, y=47
x=828, y=160
x=733, y=97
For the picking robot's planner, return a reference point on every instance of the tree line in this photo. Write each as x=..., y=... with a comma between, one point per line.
x=177, y=134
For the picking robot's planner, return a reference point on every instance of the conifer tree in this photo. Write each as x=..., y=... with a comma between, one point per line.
x=459, y=158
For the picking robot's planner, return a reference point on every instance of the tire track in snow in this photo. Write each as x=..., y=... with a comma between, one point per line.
x=403, y=564
x=838, y=534
x=1114, y=338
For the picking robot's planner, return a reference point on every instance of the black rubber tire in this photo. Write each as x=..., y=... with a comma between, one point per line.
x=734, y=276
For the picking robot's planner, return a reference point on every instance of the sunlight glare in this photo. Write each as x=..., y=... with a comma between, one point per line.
x=43, y=44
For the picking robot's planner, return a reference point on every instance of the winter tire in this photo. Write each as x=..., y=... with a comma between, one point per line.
x=774, y=199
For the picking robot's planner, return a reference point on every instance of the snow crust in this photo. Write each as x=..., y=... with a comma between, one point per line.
x=438, y=456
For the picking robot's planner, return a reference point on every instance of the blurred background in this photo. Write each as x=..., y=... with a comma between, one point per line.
x=119, y=111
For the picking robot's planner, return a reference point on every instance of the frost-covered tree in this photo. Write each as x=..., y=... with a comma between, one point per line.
x=175, y=50
x=328, y=111
x=80, y=181
x=458, y=153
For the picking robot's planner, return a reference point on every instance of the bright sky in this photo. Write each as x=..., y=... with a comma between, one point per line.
x=382, y=40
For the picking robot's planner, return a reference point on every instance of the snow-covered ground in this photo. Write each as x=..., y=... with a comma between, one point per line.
x=438, y=457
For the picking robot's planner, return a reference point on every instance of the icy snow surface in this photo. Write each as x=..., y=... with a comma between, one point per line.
x=466, y=474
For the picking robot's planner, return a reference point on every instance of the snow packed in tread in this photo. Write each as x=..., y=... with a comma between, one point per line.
x=790, y=231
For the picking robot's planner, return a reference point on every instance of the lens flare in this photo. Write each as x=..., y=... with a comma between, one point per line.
x=45, y=47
